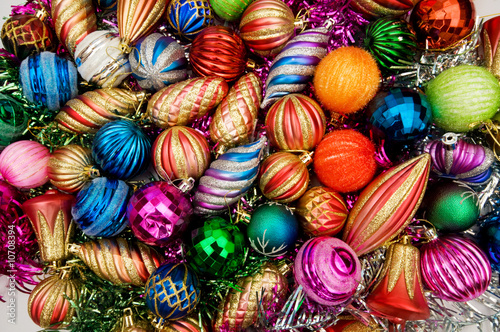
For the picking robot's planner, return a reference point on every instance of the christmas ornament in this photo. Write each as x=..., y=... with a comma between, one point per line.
x=399, y=190
x=454, y=110
x=158, y=61
x=182, y=103
x=328, y=270
x=50, y=217
x=216, y=248
x=351, y=324
x=180, y=152
x=23, y=164
x=294, y=66
x=172, y=291
x=234, y=120
x=228, y=178
x=402, y=114
x=321, y=211
x=218, y=51
x=121, y=149
x=266, y=25
x=379, y=8
x=272, y=230
x=295, y=122
x=106, y=4
x=118, y=261
x=100, y=61
x=13, y=120
x=284, y=176
x=189, y=324
x=439, y=24
x=490, y=243
x=454, y=268
x=23, y=35
x=100, y=207
x=229, y=10
x=345, y=160
x=48, y=80
x=399, y=292
x=346, y=80
x=158, y=213
x=490, y=36
x=129, y=324
x=187, y=18
x=266, y=288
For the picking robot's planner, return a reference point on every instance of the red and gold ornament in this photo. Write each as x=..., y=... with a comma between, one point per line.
x=490, y=37
x=380, y=8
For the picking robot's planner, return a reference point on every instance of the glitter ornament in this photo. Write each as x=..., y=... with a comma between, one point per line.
x=229, y=10
x=295, y=122
x=273, y=229
x=490, y=35
x=454, y=110
x=328, y=270
x=345, y=160
x=321, y=212
x=187, y=18
x=13, y=120
x=346, y=80
x=379, y=8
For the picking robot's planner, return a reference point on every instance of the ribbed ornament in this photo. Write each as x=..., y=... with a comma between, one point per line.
x=187, y=18
x=229, y=10
x=380, y=8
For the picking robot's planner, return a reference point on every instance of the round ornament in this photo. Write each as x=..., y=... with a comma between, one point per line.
x=106, y=4
x=328, y=270
x=180, y=152
x=187, y=18
x=13, y=120
x=229, y=10
x=489, y=44
x=321, y=211
x=295, y=122
x=172, y=291
x=379, y=8
x=48, y=79
x=273, y=229
x=490, y=243
x=345, y=160
x=346, y=80
x=158, y=213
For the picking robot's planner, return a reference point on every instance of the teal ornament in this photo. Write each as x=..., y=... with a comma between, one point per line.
x=13, y=120
x=48, y=79
x=187, y=18
x=158, y=61
x=273, y=229
x=172, y=291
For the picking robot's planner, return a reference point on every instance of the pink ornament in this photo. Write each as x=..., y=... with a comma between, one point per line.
x=23, y=164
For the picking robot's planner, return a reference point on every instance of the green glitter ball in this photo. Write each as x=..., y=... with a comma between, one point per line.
x=13, y=120
x=217, y=248
x=229, y=10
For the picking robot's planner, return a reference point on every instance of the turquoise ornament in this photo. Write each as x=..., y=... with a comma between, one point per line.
x=187, y=18
x=273, y=229
x=13, y=120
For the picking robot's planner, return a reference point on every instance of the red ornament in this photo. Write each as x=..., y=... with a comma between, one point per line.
x=379, y=8
x=490, y=36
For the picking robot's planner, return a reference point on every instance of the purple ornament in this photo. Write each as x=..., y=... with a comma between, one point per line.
x=328, y=270
x=158, y=213
x=454, y=268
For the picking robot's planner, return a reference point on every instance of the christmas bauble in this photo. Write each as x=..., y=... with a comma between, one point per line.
x=106, y=4
x=229, y=10
x=13, y=120
x=351, y=324
x=189, y=324
x=490, y=37
x=379, y=8
x=490, y=243
x=187, y=18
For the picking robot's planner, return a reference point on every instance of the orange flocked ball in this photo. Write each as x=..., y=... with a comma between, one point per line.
x=345, y=160
x=346, y=79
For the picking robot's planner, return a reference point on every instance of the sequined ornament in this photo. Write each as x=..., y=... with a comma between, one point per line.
x=182, y=103
x=100, y=61
x=294, y=66
x=172, y=291
x=321, y=211
x=50, y=217
x=13, y=120
x=228, y=178
x=379, y=8
x=49, y=304
x=328, y=270
x=267, y=287
x=158, y=213
x=463, y=96
x=187, y=18
x=119, y=261
x=295, y=122
x=158, y=61
x=490, y=36
x=234, y=120
x=439, y=24
x=387, y=205
x=106, y=4
x=229, y=10
x=48, y=79
x=180, y=152
x=402, y=114
x=218, y=51
x=273, y=229
x=23, y=35
x=100, y=209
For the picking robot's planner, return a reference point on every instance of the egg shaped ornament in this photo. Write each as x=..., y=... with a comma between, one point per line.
x=187, y=18
x=218, y=51
x=13, y=120
x=379, y=8
x=266, y=26
x=106, y=4
x=179, y=153
x=439, y=24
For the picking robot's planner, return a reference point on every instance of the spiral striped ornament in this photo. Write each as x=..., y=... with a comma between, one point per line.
x=187, y=18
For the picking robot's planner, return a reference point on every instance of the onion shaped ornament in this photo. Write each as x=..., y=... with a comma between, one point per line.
x=187, y=18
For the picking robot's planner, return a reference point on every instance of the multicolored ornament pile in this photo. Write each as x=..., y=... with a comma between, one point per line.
x=229, y=165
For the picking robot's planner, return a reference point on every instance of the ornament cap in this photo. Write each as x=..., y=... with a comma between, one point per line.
x=450, y=139
x=186, y=185
x=306, y=157
x=128, y=318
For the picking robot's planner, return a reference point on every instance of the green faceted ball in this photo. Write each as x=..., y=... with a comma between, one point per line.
x=13, y=120
x=217, y=248
x=229, y=10
x=463, y=96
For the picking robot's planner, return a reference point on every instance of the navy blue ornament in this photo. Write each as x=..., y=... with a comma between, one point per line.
x=402, y=114
x=172, y=291
x=187, y=18
x=121, y=149
x=106, y=4
x=101, y=206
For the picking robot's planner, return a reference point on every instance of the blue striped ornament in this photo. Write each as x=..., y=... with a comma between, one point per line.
x=188, y=17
